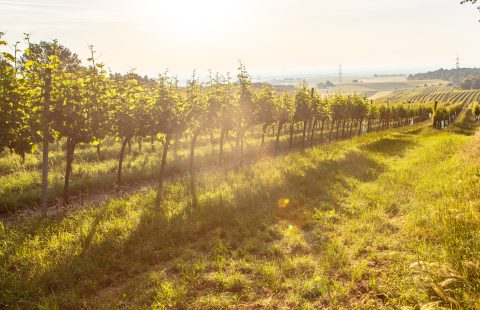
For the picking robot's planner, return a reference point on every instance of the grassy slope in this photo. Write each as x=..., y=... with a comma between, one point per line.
x=384, y=220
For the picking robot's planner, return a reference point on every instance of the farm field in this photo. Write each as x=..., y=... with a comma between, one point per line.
x=363, y=222
x=441, y=94
x=367, y=85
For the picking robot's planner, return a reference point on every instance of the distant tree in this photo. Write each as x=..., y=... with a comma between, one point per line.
x=471, y=83
x=476, y=110
x=327, y=84
x=453, y=75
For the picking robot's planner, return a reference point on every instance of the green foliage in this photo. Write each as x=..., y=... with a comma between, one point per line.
x=303, y=103
x=471, y=83
x=10, y=118
x=454, y=75
x=286, y=107
x=266, y=107
x=197, y=108
x=87, y=106
x=245, y=101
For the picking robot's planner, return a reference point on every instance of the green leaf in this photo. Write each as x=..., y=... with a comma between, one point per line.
x=29, y=64
x=34, y=148
x=8, y=56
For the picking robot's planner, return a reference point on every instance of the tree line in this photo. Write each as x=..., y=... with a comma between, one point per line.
x=46, y=94
x=456, y=76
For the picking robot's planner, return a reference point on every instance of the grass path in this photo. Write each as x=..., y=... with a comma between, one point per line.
x=384, y=220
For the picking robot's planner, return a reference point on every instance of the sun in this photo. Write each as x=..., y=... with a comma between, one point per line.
x=191, y=19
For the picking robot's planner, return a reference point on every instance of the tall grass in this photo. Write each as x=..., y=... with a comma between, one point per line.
x=342, y=225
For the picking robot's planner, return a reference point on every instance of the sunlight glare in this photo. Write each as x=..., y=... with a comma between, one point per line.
x=191, y=19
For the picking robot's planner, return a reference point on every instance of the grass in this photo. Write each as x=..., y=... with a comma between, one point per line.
x=20, y=185
x=386, y=220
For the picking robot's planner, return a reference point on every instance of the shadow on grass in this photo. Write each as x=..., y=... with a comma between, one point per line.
x=244, y=211
x=465, y=123
x=415, y=131
x=390, y=146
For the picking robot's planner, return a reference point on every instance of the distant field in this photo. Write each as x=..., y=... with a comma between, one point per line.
x=369, y=86
x=442, y=94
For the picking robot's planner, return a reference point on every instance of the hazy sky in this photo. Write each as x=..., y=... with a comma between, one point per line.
x=270, y=36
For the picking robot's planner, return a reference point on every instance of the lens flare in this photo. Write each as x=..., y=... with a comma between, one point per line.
x=283, y=203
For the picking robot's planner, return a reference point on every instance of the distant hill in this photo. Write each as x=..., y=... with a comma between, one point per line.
x=453, y=75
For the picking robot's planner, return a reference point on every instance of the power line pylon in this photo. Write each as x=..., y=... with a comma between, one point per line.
x=340, y=74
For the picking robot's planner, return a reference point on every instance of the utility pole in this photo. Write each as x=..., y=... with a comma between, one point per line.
x=458, y=63
x=92, y=52
x=340, y=74
x=15, y=56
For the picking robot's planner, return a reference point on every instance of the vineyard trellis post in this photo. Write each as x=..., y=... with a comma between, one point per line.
x=45, y=138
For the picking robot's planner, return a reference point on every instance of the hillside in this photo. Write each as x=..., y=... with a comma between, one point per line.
x=442, y=94
x=379, y=221
x=453, y=75
x=214, y=155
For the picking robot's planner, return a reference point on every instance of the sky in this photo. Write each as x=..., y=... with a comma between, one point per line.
x=271, y=37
